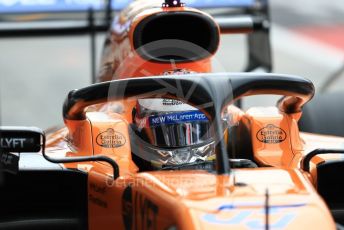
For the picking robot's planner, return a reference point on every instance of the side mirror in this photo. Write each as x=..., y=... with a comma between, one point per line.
x=20, y=139
x=17, y=140
x=31, y=139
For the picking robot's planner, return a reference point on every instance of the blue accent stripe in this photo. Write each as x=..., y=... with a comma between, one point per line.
x=244, y=214
x=37, y=6
x=260, y=204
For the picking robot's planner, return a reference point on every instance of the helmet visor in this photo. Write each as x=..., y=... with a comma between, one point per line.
x=171, y=124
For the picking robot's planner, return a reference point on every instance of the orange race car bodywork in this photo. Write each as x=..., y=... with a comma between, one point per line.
x=197, y=199
x=278, y=194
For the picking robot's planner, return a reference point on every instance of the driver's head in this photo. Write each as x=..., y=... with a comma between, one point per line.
x=172, y=133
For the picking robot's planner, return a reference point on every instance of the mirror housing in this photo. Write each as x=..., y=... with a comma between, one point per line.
x=32, y=140
x=20, y=139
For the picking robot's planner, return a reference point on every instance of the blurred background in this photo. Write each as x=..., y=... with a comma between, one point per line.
x=37, y=73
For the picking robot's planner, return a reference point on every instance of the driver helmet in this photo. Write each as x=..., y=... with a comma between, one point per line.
x=171, y=133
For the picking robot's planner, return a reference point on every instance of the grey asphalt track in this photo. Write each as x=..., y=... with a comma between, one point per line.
x=37, y=74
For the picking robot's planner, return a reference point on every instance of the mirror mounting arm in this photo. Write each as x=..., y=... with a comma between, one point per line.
x=80, y=159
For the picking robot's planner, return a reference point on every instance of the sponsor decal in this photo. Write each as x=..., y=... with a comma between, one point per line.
x=127, y=208
x=271, y=134
x=98, y=189
x=176, y=118
x=96, y=192
x=171, y=102
x=110, y=139
x=12, y=143
x=20, y=140
x=145, y=106
x=177, y=72
x=97, y=201
x=138, y=211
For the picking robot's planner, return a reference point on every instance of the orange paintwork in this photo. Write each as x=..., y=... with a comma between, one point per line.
x=283, y=152
x=188, y=199
x=120, y=60
x=80, y=136
x=192, y=199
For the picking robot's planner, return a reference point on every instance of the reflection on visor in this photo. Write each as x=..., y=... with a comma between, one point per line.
x=165, y=157
x=184, y=155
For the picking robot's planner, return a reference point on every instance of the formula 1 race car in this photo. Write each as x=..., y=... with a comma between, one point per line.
x=160, y=142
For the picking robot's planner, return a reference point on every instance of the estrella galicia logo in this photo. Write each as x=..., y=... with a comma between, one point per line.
x=110, y=139
x=271, y=134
